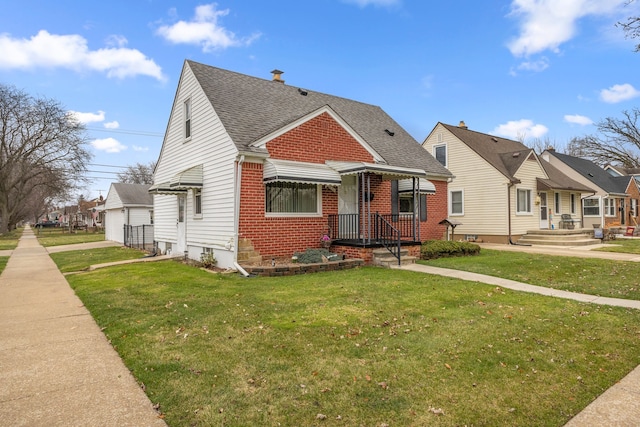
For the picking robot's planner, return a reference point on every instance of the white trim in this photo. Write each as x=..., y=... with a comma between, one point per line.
x=194, y=193
x=599, y=199
x=262, y=142
x=557, y=203
x=606, y=208
x=187, y=115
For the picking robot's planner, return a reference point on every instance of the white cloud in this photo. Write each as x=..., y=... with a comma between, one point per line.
x=138, y=148
x=535, y=66
x=109, y=145
x=204, y=30
x=578, y=119
x=365, y=3
x=521, y=129
x=112, y=125
x=546, y=24
x=45, y=50
x=619, y=93
x=88, y=117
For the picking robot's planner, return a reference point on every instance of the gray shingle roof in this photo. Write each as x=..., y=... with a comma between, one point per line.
x=251, y=108
x=594, y=173
x=559, y=181
x=133, y=194
x=503, y=154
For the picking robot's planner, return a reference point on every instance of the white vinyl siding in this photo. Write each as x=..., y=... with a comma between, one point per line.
x=211, y=147
x=485, y=190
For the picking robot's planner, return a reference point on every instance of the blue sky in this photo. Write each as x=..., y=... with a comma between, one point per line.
x=546, y=69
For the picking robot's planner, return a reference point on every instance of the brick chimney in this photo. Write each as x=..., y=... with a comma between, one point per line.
x=462, y=125
x=277, y=76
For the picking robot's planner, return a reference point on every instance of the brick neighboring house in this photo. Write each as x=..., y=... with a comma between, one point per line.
x=249, y=162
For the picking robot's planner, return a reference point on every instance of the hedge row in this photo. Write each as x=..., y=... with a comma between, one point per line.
x=441, y=248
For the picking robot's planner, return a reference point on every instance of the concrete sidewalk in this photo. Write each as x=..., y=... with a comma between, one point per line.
x=56, y=366
x=619, y=406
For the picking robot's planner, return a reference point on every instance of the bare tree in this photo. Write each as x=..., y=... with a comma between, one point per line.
x=539, y=144
x=42, y=152
x=631, y=27
x=617, y=143
x=138, y=174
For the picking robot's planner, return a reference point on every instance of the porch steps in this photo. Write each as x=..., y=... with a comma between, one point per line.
x=383, y=258
x=246, y=252
x=576, y=237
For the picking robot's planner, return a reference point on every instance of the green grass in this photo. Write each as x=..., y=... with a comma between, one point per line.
x=59, y=236
x=3, y=262
x=629, y=246
x=368, y=346
x=9, y=241
x=81, y=260
x=616, y=279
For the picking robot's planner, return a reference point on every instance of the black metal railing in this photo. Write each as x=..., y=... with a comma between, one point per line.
x=367, y=230
x=388, y=236
x=138, y=236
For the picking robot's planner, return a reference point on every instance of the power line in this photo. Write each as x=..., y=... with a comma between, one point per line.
x=128, y=132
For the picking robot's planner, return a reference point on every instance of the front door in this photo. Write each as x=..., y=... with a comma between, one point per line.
x=348, y=223
x=622, y=215
x=544, y=212
x=181, y=245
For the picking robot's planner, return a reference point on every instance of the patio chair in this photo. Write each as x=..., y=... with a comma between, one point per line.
x=567, y=222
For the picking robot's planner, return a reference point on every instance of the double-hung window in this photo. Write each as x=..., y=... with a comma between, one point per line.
x=609, y=207
x=187, y=118
x=456, y=202
x=292, y=199
x=523, y=201
x=556, y=203
x=573, y=203
x=197, y=203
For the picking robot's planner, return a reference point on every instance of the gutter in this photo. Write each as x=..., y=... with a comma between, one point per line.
x=236, y=219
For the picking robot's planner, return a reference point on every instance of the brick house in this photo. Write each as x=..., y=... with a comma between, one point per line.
x=255, y=163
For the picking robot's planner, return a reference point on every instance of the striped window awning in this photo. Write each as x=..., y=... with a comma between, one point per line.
x=406, y=186
x=164, y=188
x=301, y=172
x=387, y=171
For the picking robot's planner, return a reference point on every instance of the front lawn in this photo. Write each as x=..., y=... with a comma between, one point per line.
x=367, y=347
x=9, y=241
x=60, y=236
x=3, y=262
x=616, y=279
x=69, y=261
x=629, y=246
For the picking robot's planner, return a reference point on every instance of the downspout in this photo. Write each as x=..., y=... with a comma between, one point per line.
x=236, y=219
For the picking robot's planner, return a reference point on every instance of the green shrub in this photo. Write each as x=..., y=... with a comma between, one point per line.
x=441, y=248
x=312, y=256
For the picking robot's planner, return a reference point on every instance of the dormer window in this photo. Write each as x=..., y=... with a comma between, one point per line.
x=187, y=119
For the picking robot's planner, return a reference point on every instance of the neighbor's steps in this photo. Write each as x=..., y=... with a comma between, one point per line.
x=383, y=258
x=577, y=237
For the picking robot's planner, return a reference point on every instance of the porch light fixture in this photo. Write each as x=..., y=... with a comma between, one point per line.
x=390, y=133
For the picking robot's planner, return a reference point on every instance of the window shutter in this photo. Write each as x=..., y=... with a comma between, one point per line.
x=423, y=207
x=394, y=197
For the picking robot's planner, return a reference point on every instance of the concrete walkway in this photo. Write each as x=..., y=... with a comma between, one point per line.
x=56, y=366
x=620, y=405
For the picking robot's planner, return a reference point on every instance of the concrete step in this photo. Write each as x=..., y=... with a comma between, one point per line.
x=565, y=238
x=393, y=262
x=531, y=240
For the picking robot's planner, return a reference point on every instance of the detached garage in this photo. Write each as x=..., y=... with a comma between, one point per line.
x=129, y=215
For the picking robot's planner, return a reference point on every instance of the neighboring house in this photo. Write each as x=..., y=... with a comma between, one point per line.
x=614, y=194
x=502, y=189
x=126, y=206
x=255, y=164
x=633, y=189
